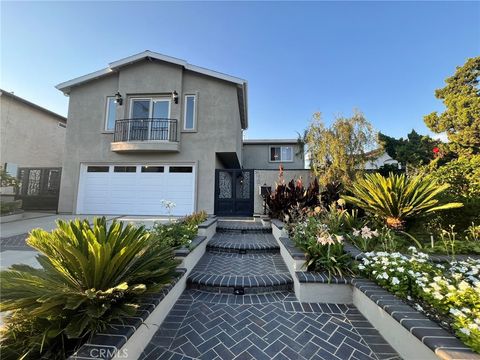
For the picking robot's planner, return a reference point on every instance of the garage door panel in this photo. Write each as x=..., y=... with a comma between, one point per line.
x=138, y=193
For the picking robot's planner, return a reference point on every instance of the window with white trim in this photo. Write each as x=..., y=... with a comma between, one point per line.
x=110, y=113
x=281, y=153
x=189, y=117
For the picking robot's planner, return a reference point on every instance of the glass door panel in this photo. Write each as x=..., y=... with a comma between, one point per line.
x=139, y=124
x=160, y=126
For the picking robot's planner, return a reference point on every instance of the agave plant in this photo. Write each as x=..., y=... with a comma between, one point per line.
x=89, y=276
x=396, y=198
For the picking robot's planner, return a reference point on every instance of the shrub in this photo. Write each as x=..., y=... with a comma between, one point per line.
x=89, y=276
x=196, y=218
x=324, y=249
x=397, y=198
x=449, y=293
x=174, y=234
x=10, y=206
x=463, y=176
x=7, y=180
x=287, y=198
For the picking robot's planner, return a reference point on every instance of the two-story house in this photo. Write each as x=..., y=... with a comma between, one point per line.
x=152, y=127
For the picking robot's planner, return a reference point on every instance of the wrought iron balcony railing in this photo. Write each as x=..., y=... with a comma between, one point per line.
x=145, y=129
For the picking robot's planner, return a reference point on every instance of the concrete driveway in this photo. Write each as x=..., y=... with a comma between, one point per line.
x=13, y=249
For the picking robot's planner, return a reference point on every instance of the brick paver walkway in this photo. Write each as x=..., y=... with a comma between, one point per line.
x=15, y=242
x=266, y=322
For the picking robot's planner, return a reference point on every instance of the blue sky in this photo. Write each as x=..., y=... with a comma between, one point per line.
x=384, y=58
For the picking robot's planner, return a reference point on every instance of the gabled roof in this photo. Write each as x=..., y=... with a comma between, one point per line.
x=38, y=107
x=147, y=54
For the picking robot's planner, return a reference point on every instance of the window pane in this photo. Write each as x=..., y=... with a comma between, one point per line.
x=98, y=169
x=161, y=109
x=140, y=109
x=150, y=169
x=287, y=153
x=127, y=169
x=189, y=112
x=180, y=169
x=111, y=113
x=274, y=153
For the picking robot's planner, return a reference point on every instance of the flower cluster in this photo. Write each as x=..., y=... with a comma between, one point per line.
x=365, y=232
x=324, y=237
x=451, y=290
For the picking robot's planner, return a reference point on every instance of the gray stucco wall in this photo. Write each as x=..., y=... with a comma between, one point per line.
x=29, y=137
x=257, y=156
x=218, y=120
x=270, y=178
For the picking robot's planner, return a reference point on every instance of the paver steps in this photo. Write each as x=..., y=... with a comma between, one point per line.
x=240, y=305
x=243, y=243
x=243, y=258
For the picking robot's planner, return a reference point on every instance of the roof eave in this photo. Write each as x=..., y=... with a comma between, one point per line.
x=66, y=86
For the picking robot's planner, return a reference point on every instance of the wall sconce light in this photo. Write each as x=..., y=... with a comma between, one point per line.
x=175, y=96
x=118, y=98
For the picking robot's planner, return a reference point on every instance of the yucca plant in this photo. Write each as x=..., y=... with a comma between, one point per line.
x=396, y=198
x=89, y=276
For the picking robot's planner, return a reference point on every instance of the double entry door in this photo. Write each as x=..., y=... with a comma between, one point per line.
x=150, y=120
x=233, y=192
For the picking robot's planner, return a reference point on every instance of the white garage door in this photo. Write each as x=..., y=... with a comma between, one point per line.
x=136, y=189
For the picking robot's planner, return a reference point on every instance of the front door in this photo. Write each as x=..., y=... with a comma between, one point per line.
x=233, y=192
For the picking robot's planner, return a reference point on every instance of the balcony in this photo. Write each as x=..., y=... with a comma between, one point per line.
x=145, y=134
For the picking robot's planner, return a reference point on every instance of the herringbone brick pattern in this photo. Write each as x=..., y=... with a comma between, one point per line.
x=202, y=329
x=241, y=264
x=15, y=242
x=251, y=242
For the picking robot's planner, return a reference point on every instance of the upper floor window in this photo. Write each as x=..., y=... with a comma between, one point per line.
x=110, y=114
x=189, y=112
x=146, y=108
x=281, y=153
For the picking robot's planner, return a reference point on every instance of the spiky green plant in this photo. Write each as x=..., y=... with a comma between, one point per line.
x=396, y=198
x=89, y=276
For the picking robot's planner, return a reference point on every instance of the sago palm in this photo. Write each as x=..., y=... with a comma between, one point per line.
x=397, y=197
x=88, y=276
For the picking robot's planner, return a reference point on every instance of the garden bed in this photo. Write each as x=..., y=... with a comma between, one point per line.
x=409, y=332
x=127, y=338
x=358, y=254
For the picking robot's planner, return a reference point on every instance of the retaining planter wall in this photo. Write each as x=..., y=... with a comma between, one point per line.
x=128, y=338
x=409, y=332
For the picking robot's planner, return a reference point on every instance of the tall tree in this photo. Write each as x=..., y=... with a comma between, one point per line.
x=461, y=118
x=338, y=152
x=413, y=151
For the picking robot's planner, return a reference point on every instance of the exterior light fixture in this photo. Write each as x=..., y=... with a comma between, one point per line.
x=118, y=98
x=175, y=96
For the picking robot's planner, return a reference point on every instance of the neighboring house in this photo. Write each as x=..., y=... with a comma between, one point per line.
x=151, y=127
x=266, y=154
x=32, y=136
x=32, y=147
x=379, y=158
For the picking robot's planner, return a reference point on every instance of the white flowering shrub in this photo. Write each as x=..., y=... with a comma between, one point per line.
x=451, y=290
x=324, y=249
